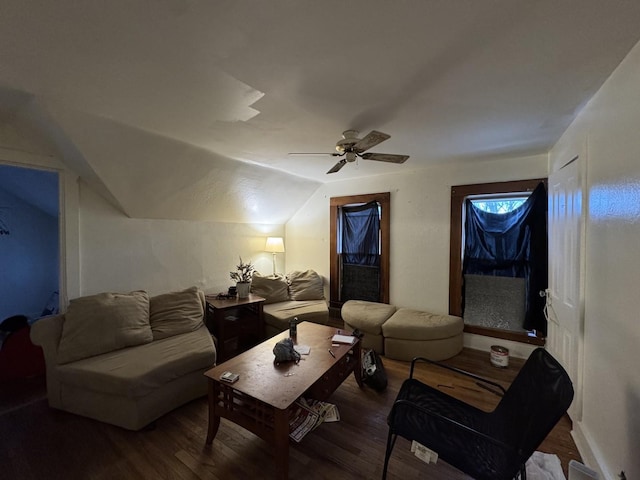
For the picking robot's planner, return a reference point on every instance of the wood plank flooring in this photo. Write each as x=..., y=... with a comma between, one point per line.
x=40, y=443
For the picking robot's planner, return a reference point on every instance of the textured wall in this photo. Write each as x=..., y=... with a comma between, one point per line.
x=120, y=253
x=606, y=133
x=420, y=213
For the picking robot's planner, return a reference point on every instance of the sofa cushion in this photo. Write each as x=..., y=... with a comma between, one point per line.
x=273, y=289
x=278, y=314
x=419, y=325
x=102, y=323
x=175, y=313
x=366, y=316
x=305, y=285
x=138, y=371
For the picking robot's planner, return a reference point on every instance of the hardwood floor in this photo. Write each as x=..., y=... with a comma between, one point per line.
x=41, y=443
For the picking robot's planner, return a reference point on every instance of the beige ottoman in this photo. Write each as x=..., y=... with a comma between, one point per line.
x=367, y=317
x=413, y=333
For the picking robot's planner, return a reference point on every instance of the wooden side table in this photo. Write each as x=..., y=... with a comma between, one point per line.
x=237, y=323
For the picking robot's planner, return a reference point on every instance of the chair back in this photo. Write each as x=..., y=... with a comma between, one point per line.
x=536, y=400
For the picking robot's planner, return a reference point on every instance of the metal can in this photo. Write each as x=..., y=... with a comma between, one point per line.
x=499, y=356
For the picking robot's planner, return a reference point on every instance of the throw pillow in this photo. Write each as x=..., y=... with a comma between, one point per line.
x=305, y=285
x=102, y=323
x=175, y=313
x=273, y=289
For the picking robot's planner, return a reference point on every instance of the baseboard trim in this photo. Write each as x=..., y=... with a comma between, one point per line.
x=589, y=453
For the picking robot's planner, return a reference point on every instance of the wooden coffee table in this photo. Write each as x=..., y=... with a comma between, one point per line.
x=262, y=399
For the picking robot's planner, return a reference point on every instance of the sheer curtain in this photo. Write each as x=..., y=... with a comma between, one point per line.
x=512, y=244
x=360, y=252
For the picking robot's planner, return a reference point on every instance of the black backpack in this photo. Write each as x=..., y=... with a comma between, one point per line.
x=11, y=325
x=373, y=373
x=284, y=351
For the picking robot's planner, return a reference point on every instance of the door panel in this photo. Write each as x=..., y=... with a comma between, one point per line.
x=564, y=297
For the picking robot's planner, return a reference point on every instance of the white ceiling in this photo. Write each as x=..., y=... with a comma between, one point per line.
x=253, y=80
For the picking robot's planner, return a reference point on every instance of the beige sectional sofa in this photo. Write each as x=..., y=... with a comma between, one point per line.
x=404, y=333
x=126, y=359
x=368, y=317
x=297, y=295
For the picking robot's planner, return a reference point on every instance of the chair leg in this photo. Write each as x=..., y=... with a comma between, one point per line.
x=523, y=472
x=391, y=441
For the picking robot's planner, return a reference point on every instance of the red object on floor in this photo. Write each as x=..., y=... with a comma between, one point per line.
x=19, y=358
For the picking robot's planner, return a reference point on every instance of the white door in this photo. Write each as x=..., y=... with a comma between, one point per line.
x=565, y=328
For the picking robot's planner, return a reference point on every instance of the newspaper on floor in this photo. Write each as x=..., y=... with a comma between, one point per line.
x=308, y=415
x=301, y=421
x=328, y=411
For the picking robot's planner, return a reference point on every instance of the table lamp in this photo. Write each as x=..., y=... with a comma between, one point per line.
x=274, y=245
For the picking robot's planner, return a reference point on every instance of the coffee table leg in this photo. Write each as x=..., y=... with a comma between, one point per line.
x=281, y=434
x=357, y=371
x=214, y=420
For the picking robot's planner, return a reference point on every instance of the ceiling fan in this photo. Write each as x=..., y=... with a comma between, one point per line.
x=351, y=148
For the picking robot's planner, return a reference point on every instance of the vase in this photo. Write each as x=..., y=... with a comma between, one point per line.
x=243, y=289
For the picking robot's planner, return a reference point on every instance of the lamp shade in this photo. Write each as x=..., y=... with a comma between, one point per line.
x=274, y=245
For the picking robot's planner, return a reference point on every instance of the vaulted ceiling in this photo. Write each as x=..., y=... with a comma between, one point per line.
x=177, y=108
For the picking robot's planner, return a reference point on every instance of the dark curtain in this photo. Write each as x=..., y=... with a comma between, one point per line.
x=360, y=257
x=513, y=244
x=360, y=231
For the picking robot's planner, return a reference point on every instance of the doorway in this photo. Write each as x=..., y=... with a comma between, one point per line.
x=565, y=295
x=30, y=243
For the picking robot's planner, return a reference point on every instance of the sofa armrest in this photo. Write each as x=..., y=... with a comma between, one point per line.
x=46, y=333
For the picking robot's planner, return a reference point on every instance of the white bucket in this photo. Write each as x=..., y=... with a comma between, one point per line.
x=499, y=356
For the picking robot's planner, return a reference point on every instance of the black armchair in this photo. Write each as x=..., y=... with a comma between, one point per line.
x=485, y=445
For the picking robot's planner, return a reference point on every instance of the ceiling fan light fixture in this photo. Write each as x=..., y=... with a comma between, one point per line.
x=348, y=140
x=351, y=156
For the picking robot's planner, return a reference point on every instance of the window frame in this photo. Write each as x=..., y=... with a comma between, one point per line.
x=458, y=195
x=384, y=200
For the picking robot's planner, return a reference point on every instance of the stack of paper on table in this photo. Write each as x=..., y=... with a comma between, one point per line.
x=348, y=339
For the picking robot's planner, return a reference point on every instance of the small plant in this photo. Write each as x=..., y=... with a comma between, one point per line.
x=243, y=273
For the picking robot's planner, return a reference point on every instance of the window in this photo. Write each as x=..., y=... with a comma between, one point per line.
x=500, y=204
x=337, y=282
x=359, y=252
x=491, y=305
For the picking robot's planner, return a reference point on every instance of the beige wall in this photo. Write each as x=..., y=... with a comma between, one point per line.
x=420, y=217
x=120, y=253
x=606, y=135
x=104, y=250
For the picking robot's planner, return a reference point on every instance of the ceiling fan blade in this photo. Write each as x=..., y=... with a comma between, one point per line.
x=315, y=153
x=338, y=166
x=372, y=139
x=385, y=157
